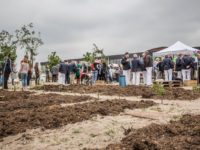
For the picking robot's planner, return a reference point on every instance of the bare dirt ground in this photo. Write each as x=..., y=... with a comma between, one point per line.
x=113, y=90
x=106, y=124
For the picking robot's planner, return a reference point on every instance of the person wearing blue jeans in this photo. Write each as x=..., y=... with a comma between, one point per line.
x=24, y=72
x=94, y=76
x=24, y=77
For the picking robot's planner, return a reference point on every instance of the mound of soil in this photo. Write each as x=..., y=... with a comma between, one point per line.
x=112, y=90
x=182, y=134
x=11, y=101
x=54, y=116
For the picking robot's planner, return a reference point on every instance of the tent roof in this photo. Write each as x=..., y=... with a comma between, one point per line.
x=176, y=48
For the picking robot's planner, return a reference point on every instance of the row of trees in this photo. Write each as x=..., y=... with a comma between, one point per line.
x=28, y=39
x=96, y=52
x=24, y=38
x=54, y=59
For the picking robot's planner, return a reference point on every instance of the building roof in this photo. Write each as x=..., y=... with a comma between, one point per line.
x=153, y=50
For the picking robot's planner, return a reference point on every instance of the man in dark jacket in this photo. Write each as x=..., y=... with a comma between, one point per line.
x=179, y=66
x=67, y=76
x=148, y=65
x=62, y=73
x=160, y=69
x=72, y=68
x=168, y=66
x=7, y=69
x=187, y=63
x=126, y=67
x=136, y=69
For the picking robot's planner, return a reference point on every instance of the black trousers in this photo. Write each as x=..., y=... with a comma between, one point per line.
x=67, y=78
x=5, y=80
x=28, y=80
x=54, y=78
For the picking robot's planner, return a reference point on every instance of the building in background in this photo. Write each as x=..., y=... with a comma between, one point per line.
x=115, y=59
x=112, y=59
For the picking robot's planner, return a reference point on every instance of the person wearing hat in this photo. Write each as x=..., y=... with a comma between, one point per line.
x=179, y=66
x=136, y=69
x=126, y=67
x=168, y=66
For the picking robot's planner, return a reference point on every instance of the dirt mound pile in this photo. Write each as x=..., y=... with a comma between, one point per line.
x=54, y=116
x=11, y=101
x=182, y=134
x=112, y=90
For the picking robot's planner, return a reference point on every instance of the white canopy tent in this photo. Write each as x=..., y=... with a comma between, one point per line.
x=175, y=49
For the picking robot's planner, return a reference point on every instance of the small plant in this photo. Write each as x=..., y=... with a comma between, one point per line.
x=93, y=135
x=77, y=131
x=110, y=132
x=159, y=90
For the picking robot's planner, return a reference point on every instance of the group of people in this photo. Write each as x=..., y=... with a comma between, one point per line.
x=132, y=69
x=182, y=67
x=75, y=72
x=170, y=68
x=8, y=69
x=136, y=70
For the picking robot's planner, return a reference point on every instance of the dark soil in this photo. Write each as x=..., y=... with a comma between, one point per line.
x=178, y=135
x=11, y=101
x=145, y=92
x=48, y=114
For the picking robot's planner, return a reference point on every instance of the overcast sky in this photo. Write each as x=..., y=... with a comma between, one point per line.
x=70, y=27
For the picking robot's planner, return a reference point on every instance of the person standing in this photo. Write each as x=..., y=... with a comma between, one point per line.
x=72, y=72
x=67, y=76
x=37, y=74
x=160, y=69
x=29, y=77
x=136, y=69
x=126, y=67
x=78, y=72
x=179, y=66
x=7, y=69
x=95, y=69
x=148, y=64
x=54, y=72
x=168, y=66
x=110, y=73
x=24, y=72
x=155, y=68
x=62, y=73
x=47, y=73
x=186, y=67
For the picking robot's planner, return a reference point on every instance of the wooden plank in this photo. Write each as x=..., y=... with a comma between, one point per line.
x=190, y=83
